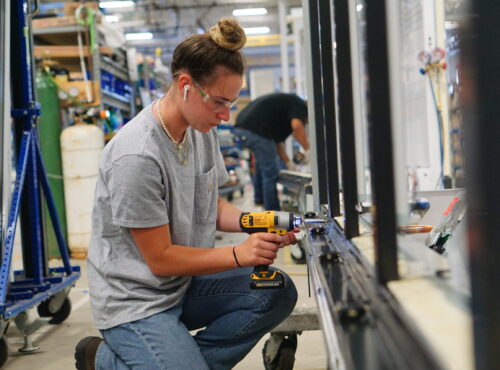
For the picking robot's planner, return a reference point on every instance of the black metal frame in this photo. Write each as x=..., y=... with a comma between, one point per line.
x=481, y=82
x=380, y=139
x=318, y=102
x=329, y=106
x=379, y=328
x=324, y=105
x=353, y=286
x=346, y=118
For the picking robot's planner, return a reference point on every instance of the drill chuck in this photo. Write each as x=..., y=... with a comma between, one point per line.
x=297, y=220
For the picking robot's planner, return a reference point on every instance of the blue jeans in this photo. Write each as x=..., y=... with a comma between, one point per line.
x=232, y=318
x=267, y=168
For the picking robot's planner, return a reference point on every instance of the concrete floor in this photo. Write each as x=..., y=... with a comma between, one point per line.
x=57, y=342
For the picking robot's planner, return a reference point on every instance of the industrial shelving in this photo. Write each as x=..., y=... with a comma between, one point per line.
x=56, y=39
x=231, y=150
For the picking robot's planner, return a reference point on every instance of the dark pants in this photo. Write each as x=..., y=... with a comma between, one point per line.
x=267, y=167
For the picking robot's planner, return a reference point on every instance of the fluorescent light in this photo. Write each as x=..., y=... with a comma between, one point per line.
x=256, y=30
x=111, y=18
x=116, y=4
x=139, y=36
x=249, y=11
x=359, y=7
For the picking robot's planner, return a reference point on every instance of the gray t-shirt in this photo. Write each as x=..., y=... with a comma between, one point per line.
x=143, y=184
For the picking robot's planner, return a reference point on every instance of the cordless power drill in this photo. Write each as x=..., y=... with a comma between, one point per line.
x=268, y=222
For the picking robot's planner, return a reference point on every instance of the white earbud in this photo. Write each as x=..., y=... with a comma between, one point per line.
x=186, y=88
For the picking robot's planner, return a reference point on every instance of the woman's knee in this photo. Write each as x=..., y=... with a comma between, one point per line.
x=282, y=301
x=290, y=295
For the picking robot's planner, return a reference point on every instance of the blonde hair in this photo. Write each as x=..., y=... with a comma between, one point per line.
x=200, y=55
x=228, y=34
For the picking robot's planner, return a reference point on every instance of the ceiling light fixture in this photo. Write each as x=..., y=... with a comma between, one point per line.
x=256, y=30
x=249, y=11
x=139, y=36
x=111, y=18
x=116, y=4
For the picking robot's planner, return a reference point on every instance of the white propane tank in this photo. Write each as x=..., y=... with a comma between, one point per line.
x=81, y=147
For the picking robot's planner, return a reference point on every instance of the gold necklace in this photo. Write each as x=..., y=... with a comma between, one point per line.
x=181, y=146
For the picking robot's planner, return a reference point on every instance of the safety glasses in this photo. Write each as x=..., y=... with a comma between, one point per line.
x=215, y=104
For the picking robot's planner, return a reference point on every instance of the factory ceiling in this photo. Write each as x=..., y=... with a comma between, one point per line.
x=170, y=21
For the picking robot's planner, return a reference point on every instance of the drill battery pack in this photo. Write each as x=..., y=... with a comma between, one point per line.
x=267, y=279
x=274, y=222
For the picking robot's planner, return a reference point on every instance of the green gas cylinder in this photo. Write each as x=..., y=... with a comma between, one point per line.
x=49, y=131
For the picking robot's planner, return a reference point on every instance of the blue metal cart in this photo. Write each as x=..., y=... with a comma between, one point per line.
x=36, y=285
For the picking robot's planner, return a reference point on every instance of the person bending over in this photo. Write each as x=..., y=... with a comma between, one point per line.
x=265, y=124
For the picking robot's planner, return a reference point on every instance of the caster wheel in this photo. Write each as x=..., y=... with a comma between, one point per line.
x=56, y=317
x=4, y=350
x=298, y=254
x=284, y=358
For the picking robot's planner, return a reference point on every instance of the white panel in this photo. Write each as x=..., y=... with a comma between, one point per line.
x=422, y=139
x=261, y=82
x=310, y=105
x=414, y=84
x=360, y=90
x=298, y=41
x=285, y=72
x=398, y=127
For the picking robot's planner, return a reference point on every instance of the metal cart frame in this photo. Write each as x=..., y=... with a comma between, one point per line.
x=36, y=285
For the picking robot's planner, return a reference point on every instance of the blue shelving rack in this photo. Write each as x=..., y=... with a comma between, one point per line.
x=228, y=190
x=36, y=285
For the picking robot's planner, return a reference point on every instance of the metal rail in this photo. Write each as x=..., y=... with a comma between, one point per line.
x=332, y=330
x=364, y=326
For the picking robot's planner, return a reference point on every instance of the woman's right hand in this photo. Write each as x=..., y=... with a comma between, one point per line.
x=259, y=249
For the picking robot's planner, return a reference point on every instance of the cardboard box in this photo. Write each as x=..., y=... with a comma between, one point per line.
x=54, y=22
x=69, y=8
x=78, y=87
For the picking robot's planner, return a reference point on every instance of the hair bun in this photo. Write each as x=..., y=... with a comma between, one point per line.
x=228, y=34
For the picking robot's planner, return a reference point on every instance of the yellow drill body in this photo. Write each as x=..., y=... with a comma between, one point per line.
x=275, y=222
x=268, y=222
